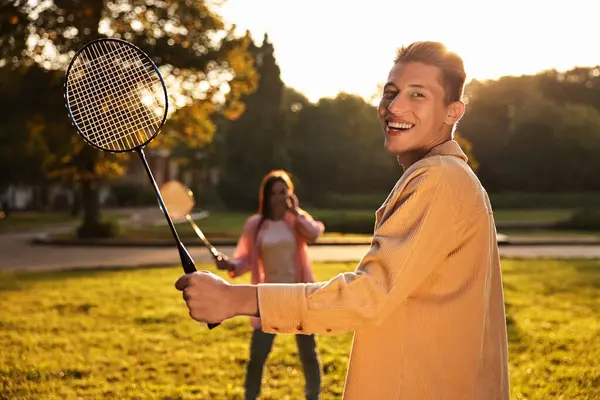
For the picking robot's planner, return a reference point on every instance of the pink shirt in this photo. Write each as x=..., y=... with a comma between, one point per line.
x=247, y=257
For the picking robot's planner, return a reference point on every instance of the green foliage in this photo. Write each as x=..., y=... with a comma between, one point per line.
x=338, y=147
x=131, y=195
x=533, y=200
x=187, y=39
x=467, y=147
x=536, y=133
x=257, y=142
x=127, y=335
x=347, y=221
x=531, y=134
x=582, y=219
x=350, y=201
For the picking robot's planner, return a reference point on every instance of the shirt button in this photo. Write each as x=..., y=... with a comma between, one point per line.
x=328, y=329
x=299, y=327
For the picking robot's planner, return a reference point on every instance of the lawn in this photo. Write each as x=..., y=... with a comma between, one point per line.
x=30, y=219
x=17, y=220
x=125, y=334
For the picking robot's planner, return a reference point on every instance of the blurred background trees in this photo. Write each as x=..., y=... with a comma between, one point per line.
x=233, y=119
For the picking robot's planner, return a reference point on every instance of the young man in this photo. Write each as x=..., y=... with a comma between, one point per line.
x=426, y=301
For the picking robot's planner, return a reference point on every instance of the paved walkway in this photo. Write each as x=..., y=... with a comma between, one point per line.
x=17, y=253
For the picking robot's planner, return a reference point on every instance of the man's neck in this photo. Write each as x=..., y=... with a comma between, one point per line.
x=409, y=158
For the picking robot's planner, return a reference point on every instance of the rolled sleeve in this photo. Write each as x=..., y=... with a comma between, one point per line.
x=282, y=307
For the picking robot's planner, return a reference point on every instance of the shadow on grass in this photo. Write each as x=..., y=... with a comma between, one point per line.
x=514, y=334
x=589, y=272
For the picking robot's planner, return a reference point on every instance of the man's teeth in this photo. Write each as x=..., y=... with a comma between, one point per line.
x=397, y=125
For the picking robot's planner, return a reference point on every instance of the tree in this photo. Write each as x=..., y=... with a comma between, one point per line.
x=257, y=142
x=337, y=146
x=208, y=69
x=536, y=133
x=467, y=147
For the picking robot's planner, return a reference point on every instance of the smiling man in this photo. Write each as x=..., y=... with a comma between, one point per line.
x=426, y=301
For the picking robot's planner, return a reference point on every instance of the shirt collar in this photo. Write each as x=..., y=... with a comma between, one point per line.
x=448, y=148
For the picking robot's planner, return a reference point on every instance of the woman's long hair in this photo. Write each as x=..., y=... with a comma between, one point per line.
x=264, y=193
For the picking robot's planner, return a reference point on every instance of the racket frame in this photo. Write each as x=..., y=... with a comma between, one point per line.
x=142, y=55
x=187, y=261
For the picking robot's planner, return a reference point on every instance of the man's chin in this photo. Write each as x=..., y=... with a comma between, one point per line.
x=393, y=147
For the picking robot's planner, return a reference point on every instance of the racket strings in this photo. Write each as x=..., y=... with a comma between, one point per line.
x=115, y=96
x=93, y=114
x=118, y=92
x=118, y=95
x=133, y=119
x=137, y=119
x=96, y=120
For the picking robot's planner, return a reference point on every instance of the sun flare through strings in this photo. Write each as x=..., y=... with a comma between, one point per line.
x=116, y=96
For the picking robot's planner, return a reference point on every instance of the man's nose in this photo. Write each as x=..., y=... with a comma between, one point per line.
x=398, y=105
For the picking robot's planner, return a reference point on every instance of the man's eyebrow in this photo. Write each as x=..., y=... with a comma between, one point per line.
x=412, y=85
x=418, y=86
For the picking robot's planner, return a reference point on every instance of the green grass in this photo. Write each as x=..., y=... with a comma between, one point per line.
x=27, y=219
x=18, y=220
x=553, y=310
x=126, y=335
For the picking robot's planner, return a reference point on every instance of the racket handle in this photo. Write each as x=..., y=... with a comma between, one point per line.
x=186, y=259
x=188, y=267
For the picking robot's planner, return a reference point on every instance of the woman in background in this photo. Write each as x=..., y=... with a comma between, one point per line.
x=273, y=247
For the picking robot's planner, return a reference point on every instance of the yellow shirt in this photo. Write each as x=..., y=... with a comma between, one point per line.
x=426, y=301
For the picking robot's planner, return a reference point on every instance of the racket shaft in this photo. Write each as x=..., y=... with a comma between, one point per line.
x=185, y=256
x=201, y=236
x=186, y=259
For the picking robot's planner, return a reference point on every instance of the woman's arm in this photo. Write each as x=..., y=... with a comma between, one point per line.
x=305, y=224
x=239, y=264
x=308, y=227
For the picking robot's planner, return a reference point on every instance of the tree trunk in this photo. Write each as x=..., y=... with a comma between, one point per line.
x=76, y=203
x=91, y=226
x=44, y=197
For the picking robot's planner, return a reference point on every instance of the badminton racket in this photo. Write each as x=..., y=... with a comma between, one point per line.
x=117, y=101
x=180, y=201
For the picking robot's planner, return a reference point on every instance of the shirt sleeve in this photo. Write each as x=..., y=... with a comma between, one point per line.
x=308, y=227
x=413, y=237
x=241, y=256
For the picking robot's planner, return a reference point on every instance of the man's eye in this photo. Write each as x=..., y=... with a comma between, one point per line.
x=416, y=94
x=388, y=94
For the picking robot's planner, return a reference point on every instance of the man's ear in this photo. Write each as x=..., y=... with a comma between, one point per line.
x=455, y=111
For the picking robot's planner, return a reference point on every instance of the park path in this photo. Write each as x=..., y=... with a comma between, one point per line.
x=18, y=253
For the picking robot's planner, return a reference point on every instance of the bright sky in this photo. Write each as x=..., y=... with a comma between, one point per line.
x=327, y=46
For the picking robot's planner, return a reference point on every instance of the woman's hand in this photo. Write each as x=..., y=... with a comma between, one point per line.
x=293, y=203
x=223, y=263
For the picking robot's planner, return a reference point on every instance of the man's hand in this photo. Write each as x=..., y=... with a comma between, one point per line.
x=211, y=299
